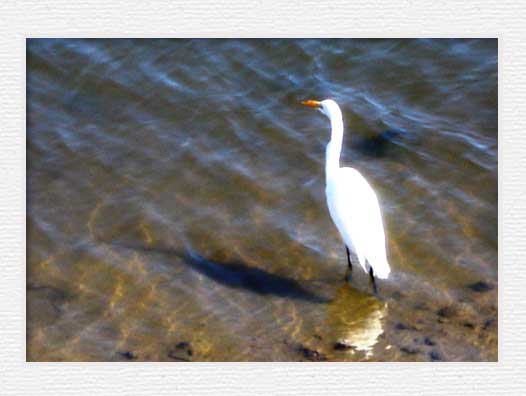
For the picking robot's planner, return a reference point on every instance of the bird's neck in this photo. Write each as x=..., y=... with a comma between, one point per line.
x=334, y=148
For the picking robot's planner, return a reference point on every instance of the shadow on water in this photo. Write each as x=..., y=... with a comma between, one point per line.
x=236, y=274
x=378, y=146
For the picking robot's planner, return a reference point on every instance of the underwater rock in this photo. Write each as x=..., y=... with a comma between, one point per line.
x=409, y=350
x=308, y=353
x=185, y=346
x=127, y=355
x=401, y=326
x=179, y=350
x=342, y=346
x=429, y=341
x=488, y=323
x=481, y=287
x=446, y=312
x=469, y=325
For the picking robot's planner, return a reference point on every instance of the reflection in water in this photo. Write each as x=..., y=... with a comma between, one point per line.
x=356, y=319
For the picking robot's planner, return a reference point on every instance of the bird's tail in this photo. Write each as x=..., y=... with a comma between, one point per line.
x=381, y=269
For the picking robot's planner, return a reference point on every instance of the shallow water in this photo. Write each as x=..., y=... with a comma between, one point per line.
x=176, y=208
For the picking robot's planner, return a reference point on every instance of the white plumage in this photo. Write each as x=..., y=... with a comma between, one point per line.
x=355, y=211
x=352, y=202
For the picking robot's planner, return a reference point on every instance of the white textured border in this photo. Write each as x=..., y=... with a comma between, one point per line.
x=337, y=18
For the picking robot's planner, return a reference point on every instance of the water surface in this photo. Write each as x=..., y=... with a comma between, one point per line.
x=176, y=208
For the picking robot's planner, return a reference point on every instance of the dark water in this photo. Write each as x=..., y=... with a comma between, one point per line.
x=176, y=208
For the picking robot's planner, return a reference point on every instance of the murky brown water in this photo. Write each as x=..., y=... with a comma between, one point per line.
x=176, y=207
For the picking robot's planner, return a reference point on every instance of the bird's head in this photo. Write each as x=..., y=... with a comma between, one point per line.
x=328, y=107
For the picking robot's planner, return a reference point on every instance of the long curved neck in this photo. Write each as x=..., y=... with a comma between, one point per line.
x=334, y=148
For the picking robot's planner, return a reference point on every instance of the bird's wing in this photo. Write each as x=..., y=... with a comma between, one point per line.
x=360, y=218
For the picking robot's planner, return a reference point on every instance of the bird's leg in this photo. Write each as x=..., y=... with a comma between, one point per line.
x=348, y=272
x=371, y=274
x=348, y=257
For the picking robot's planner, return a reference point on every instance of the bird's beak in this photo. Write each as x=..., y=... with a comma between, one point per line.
x=311, y=103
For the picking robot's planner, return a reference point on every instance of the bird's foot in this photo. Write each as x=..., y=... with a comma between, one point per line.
x=373, y=282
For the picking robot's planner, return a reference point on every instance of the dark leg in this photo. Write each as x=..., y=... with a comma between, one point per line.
x=371, y=274
x=348, y=257
x=348, y=272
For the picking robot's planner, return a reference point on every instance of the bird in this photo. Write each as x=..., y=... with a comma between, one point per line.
x=352, y=202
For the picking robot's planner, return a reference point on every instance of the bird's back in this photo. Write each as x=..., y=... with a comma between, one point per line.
x=354, y=208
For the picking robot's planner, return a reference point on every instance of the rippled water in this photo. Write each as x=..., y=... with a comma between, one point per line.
x=176, y=208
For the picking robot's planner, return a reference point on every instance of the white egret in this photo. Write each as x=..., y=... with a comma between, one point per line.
x=352, y=202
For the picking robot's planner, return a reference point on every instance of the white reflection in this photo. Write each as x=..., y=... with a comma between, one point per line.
x=355, y=319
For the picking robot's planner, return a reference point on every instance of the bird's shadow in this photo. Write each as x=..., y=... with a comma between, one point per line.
x=236, y=274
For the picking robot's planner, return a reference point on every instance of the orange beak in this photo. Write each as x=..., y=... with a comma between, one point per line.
x=311, y=103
